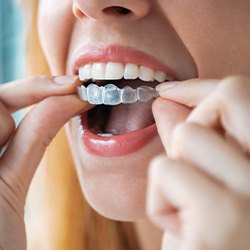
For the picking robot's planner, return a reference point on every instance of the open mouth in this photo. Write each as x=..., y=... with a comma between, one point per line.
x=113, y=129
x=106, y=120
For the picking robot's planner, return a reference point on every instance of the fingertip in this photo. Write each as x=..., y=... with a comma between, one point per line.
x=165, y=86
x=66, y=83
x=66, y=79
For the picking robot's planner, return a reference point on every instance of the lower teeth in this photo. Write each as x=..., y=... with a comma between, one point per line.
x=110, y=94
x=105, y=135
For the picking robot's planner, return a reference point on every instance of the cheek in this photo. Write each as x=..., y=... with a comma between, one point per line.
x=55, y=24
x=207, y=28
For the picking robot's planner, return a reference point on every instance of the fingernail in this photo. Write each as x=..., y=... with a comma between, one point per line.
x=65, y=80
x=165, y=86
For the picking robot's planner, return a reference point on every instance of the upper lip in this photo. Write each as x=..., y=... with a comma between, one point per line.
x=117, y=53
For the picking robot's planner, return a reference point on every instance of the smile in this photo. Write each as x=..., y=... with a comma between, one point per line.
x=115, y=75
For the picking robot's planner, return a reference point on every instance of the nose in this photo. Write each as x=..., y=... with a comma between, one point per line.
x=108, y=9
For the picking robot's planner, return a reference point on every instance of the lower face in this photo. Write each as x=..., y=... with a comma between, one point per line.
x=183, y=40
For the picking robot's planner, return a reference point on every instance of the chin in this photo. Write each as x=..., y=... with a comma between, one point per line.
x=115, y=186
x=116, y=198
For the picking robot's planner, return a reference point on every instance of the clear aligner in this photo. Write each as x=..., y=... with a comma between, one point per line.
x=110, y=94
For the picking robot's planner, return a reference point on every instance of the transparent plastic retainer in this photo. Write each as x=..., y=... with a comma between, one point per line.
x=110, y=94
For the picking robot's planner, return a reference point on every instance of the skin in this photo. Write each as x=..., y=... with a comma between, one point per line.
x=203, y=124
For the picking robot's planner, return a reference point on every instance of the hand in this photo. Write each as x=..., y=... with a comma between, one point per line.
x=26, y=144
x=200, y=194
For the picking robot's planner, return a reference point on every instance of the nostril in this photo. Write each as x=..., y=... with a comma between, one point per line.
x=116, y=10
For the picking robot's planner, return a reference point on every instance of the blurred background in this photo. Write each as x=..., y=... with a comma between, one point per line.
x=12, y=43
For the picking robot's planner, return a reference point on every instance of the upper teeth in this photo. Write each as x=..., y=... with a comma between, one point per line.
x=116, y=71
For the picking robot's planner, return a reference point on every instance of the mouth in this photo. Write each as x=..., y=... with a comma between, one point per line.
x=106, y=120
x=125, y=128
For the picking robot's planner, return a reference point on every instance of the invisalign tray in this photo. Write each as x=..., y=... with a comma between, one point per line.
x=110, y=94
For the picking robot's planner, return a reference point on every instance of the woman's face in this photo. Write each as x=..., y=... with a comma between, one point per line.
x=185, y=39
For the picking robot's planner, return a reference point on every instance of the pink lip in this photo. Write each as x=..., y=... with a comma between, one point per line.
x=119, y=145
x=118, y=53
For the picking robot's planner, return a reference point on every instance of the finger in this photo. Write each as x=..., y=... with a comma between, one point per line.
x=208, y=151
x=33, y=135
x=7, y=125
x=170, y=241
x=189, y=93
x=178, y=185
x=21, y=93
x=167, y=114
x=228, y=106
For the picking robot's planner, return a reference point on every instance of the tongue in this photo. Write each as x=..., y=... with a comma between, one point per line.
x=127, y=118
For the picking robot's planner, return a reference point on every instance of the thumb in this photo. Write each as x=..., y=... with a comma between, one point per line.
x=167, y=114
x=34, y=134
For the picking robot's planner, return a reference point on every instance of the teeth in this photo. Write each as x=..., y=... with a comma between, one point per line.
x=131, y=71
x=85, y=72
x=116, y=71
x=112, y=95
x=105, y=134
x=98, y=71
x=161, y=76
x=146, y=74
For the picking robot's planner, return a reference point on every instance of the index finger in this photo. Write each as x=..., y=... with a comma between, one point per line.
x=189, y=93
x=22, y=93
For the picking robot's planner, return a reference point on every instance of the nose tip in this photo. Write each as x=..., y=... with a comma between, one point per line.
x=109, y=9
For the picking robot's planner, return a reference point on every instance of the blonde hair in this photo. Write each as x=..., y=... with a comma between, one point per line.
x=68, y=222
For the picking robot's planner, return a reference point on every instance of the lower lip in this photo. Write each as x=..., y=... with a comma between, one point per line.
x=119, y=145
